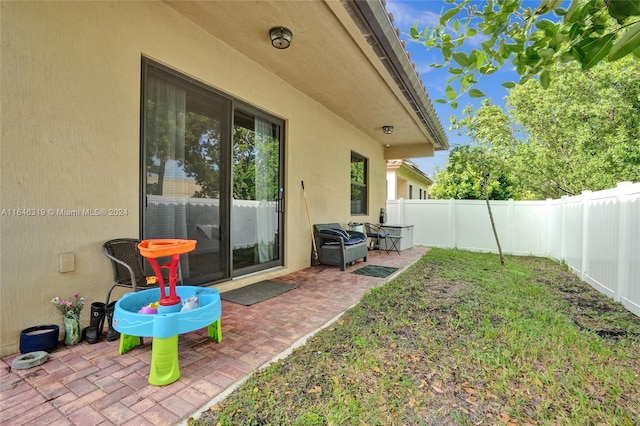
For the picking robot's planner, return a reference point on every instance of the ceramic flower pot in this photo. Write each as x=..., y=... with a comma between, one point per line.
x=71, y=331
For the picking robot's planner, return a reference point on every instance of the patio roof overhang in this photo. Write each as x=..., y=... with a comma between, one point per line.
x=344, y=54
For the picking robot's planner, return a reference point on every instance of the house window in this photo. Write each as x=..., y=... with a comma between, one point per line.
x=411, y=192
x=358, y=184
x=420, y=198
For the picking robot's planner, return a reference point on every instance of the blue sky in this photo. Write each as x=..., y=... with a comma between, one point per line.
x=427, y=13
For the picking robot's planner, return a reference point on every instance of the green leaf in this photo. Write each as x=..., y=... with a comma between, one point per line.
x=454, y=70
x=451, y=94
x=509, y=84
x=485, y=27
x=572, y=8
x=623, y=9
x=487, y=46
x=568, y=57
x=475, y=93
x=480, y=58
x=575, y=31
x=629, y=41
x=461, y=59
x=546, y=53
x=471, y=32
x=544, y=24
x=454, y=105
x=456, y=25
x=487, y=69
x=446, y=17
x=415, y=34
x=440, y=101
x=545, y=79
x=594, y=50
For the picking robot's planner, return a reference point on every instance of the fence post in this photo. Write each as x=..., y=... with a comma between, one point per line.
x=563, y=227
x=510, y=235
x=547, y=228
x=624, y=247
x=452, y=223
x=584, y=262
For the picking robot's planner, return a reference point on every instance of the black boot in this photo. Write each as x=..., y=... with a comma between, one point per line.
x=93, y=333
x=112, y=334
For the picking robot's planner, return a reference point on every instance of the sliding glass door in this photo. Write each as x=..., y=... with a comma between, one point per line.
x=211, y=173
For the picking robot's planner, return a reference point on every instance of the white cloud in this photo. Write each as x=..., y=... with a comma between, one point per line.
x=405, y=15
x=427, y=14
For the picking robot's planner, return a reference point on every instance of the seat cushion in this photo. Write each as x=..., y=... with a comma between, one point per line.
x=347, y=239
x=337, y=232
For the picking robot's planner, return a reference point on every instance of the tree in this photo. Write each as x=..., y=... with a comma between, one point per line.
x=492, y=144
x=202, y=154
x=535, y=40
x=462, y=178
x=581, y=134
x=255, y=165
x=244, y=168
x=484, y=164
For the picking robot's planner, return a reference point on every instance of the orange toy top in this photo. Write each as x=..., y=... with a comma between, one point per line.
x=165, y=247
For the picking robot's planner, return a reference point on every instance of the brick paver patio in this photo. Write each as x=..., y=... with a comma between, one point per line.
x=94, y=385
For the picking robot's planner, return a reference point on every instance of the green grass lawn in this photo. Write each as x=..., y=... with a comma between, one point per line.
x=458, y=339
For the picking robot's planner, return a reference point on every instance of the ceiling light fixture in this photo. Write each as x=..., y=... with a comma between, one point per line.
x=280, y=37
x=387, y=130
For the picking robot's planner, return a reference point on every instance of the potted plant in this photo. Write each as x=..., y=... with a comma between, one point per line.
x=70, y=310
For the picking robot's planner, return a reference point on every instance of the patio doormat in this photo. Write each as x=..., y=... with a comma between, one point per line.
x=375, y=271
x=258, y=292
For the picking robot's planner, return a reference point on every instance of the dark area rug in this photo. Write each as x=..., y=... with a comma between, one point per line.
x=258, y=292
x=375, y=271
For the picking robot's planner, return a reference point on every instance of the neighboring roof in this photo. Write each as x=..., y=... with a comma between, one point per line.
x=344, y=54
x=409, y=167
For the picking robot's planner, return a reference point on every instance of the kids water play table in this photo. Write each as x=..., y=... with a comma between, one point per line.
x=165, y=327
x=134, y=318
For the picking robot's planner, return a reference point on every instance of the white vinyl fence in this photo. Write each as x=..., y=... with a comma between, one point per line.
x=198, y=219
x=597, y=234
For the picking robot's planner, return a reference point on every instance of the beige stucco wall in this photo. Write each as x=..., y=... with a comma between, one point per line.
x=70, y=106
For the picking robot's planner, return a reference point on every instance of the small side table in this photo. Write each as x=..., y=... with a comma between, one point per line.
x=394, y=240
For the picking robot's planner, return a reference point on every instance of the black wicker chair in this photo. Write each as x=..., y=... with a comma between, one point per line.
x=127, y=265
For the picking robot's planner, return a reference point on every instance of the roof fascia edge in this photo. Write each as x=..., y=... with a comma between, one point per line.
x=373, y=15
x=413, y=170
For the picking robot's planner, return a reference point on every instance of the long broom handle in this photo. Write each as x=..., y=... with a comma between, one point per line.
x=313, y=240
